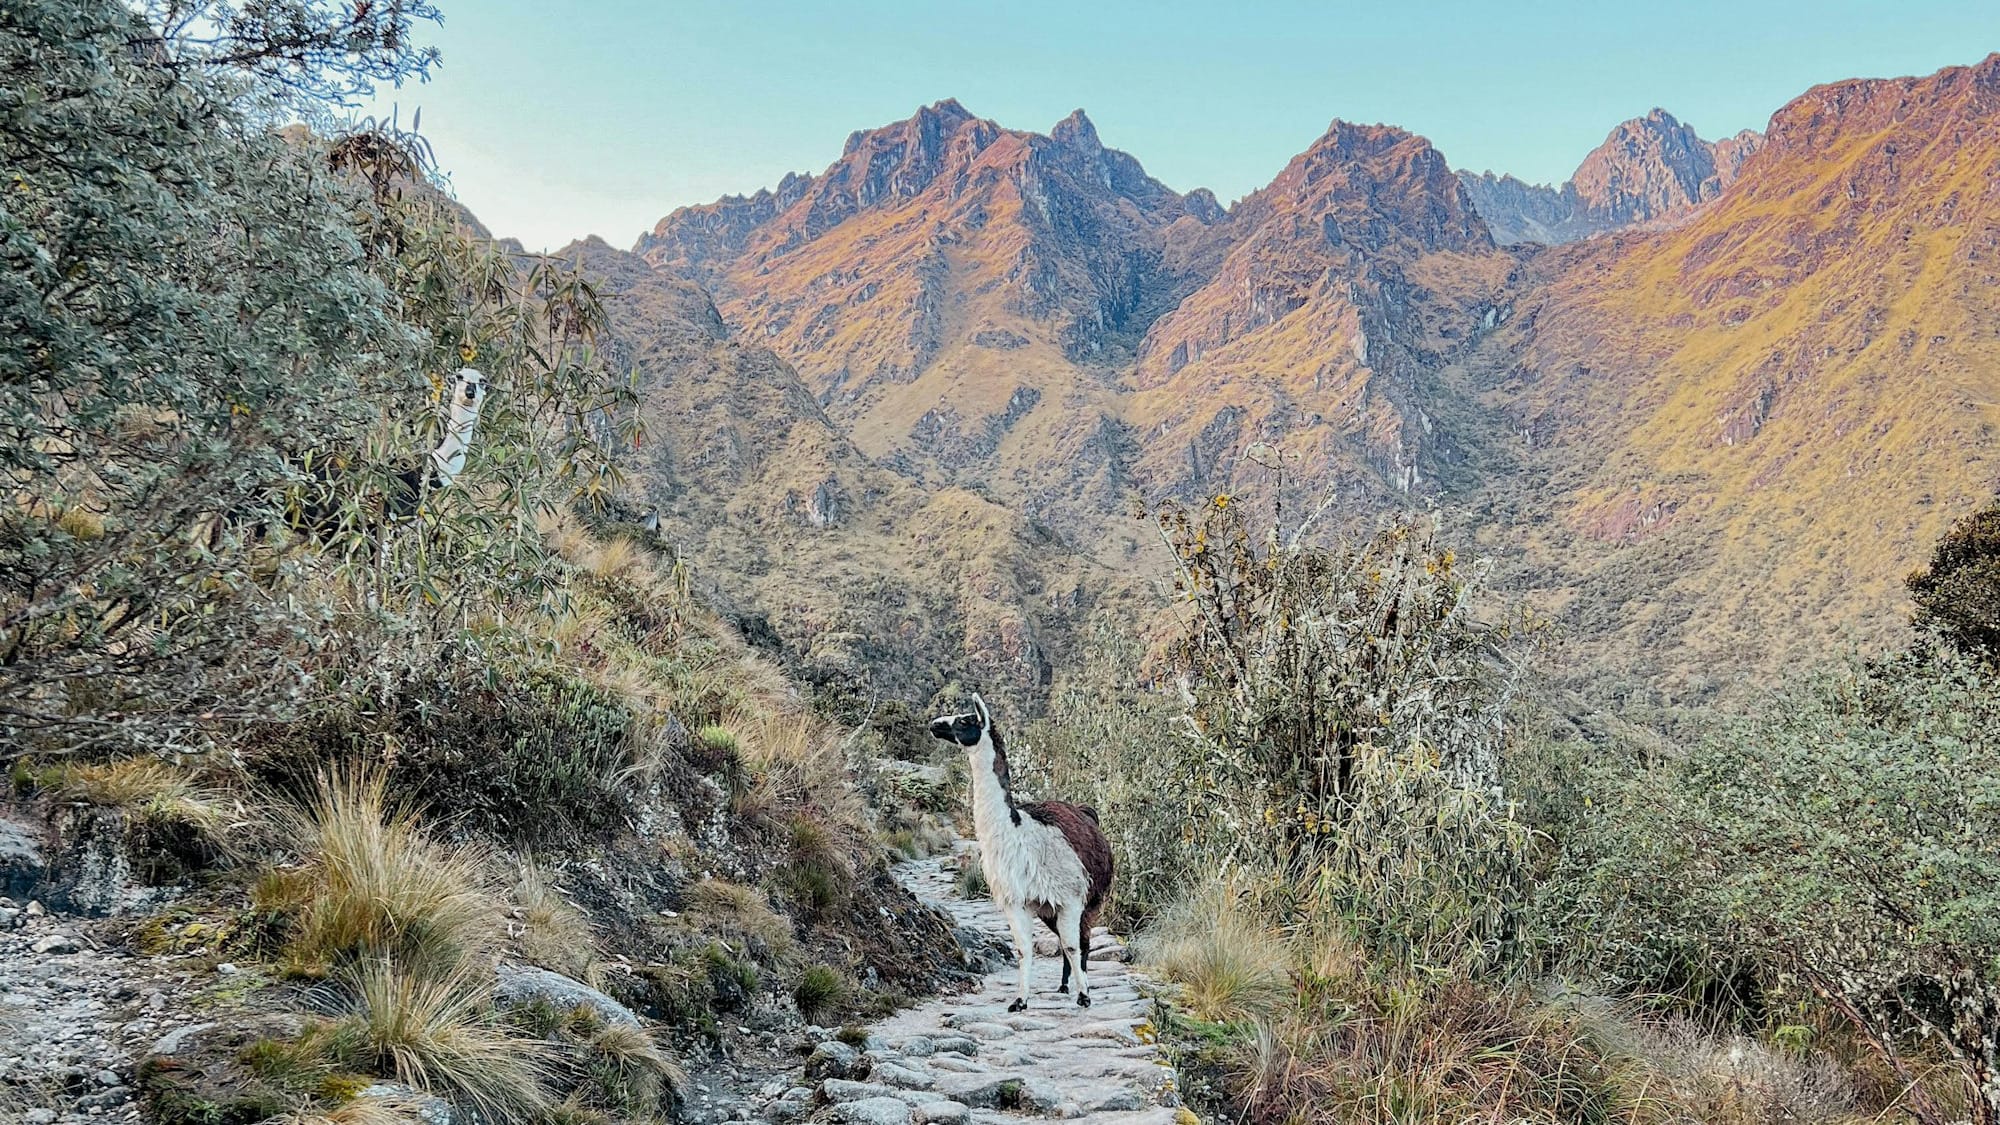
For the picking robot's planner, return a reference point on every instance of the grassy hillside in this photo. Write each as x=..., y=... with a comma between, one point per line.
x=1776, y=408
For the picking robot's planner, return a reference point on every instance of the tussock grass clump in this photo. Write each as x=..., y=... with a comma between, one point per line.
x=1231, y=967
x=718, y=740
x=820, y=989
x=551, y=932
x=742, y=909
x=971, y=882
x=633, y=1076
x=153, y=791
x=439, y=1034
x=818, y=875
x=378, y=886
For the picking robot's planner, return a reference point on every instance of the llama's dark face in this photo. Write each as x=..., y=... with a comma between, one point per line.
x=966, y=729
x=963, y=729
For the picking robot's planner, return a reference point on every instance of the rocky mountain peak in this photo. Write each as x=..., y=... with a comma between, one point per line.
x=1396, y=178
x=1647, y=169
x=1202, y=204
x=929, y=125
x=1076, y=131
x=1966, y=93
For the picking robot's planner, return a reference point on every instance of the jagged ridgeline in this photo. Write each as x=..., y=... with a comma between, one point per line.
x=587, y=782
x=1710, y=430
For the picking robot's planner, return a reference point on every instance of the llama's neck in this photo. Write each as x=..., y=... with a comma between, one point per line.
x=449, y=456
x=992, y=804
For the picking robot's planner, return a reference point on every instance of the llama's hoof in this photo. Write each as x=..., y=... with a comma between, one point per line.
x=1018, y=1006
x=1063, y=988
x=1083, y=999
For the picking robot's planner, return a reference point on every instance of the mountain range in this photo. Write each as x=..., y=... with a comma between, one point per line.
x=1705, y=404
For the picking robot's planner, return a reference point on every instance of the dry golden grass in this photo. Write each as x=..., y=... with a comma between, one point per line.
x=795, y=763
x=1230, y=966
x=635, y=1073
x=360, y=1111
x=438, y=1034
x=745, y=910
x=551, y=932
x=1309, y=1032
x=377, y=885
x=152, y=789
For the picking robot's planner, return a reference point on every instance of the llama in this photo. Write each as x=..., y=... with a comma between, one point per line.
x=1048, y=859
x=468, y=394
x=319, y=511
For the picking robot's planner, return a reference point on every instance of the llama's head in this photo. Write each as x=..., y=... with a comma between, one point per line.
x=468, y=394
x=966, y=729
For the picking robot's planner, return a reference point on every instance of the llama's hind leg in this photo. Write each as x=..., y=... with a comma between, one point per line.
x=1024, y=948
x=1057, y=930
x=1069, y=931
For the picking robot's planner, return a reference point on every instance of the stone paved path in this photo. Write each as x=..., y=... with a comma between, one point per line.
x=965, y=1059
x=73, y=1016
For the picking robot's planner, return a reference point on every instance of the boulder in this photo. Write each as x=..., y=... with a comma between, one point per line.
x=179, y=1040
x=57, y=943
x=834, y=1059
x=903, y=1076
x=518, y=985
x=874, y=1111
x=785, y=1110
x=944, y=1113
x=838, y=1090
x=21, y=863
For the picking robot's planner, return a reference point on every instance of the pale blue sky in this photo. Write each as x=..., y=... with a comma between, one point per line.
x=560, y=118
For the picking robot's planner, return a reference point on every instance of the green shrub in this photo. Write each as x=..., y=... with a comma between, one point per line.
x=1840, y=841
x=531, y=753
x=1110, y=745
x=819, y=991
x=733, y=982
x=718, y=740
x=1340, y=729
x=816, y=877
x=1959, y=592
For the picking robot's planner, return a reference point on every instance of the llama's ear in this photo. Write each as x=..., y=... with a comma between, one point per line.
x=979, y=708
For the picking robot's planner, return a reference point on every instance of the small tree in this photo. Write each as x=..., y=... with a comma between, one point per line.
x=193, y=309
x=182, y=297
x=308, y=53
x=1348, y=709
x=1958, y=594
x=530, y=322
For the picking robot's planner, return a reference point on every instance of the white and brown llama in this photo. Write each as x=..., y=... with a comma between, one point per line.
x=1046, y=860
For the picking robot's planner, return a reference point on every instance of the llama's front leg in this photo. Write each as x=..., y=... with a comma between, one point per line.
x=1069, y=932
x=1024, y=946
